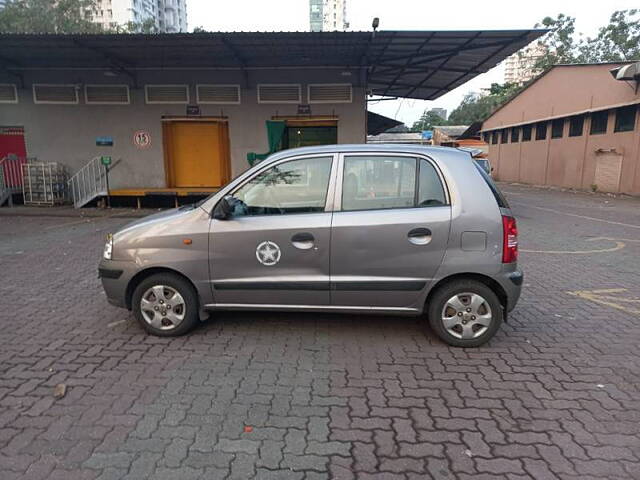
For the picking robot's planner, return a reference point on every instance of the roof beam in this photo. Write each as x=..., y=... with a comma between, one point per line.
x=416, y=68
x=442, y=64
x=456, y=50
x=486, y=59
x=397, y=77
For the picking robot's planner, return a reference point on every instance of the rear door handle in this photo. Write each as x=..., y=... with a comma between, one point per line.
x=419, y=236
x=303, y=240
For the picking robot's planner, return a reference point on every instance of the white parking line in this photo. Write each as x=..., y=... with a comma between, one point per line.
x=619, y=246
x=578, y=216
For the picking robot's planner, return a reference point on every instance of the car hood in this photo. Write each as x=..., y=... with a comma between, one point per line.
x=160, y=217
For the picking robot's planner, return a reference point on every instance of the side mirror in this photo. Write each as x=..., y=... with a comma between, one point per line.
x=224, y=209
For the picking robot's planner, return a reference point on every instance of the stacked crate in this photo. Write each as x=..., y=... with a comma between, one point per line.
x=44, y=183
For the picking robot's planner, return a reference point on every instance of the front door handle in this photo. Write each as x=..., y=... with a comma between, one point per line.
x=303, y=241
x=419, y=236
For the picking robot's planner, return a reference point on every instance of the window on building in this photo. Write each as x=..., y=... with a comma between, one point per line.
x=576, y=124
x=515, y=134
x=557, y=127
x=504, y=137
x=526, y=133
x=625, y=119
x=599, y=121
x=541, y=130
x=494, y=137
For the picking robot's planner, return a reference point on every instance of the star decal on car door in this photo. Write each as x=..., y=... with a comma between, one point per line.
x=268, y=253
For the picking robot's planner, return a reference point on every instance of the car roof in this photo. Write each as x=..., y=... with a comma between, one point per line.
x=436, y=151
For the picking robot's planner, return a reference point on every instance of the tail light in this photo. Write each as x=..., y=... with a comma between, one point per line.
x=509, y=239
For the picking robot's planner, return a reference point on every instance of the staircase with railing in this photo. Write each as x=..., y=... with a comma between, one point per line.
x=88, y=183
x=10, y=177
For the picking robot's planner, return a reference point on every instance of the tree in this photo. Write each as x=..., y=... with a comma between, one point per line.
x=427, y=121
x=61, y=16
x=618, y=41
x=615, y=42
x=478, y=107
x=558, y=45
x=48, y=16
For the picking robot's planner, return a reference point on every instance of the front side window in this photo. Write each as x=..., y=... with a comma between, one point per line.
x=382, y=182
x=504, y=137
x=515, y=135
x=625, y=119
x=298, y=186
x=526, y=133
x=494, y=138
x=541, y=130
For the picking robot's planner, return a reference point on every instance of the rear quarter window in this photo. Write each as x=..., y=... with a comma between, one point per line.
x=501, y=201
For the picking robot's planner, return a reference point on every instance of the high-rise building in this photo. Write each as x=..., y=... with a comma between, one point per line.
x=520, y=67
x=328, y=15
x=167, y=15
x=441, y=112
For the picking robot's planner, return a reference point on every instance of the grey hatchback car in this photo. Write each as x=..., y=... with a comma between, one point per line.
x=345, y=228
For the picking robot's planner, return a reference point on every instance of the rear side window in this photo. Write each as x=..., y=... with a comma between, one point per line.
x=500, y=200
x=430, y=191
x=383, y=182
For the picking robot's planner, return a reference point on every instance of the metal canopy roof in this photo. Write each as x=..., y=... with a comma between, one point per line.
x=413, y=64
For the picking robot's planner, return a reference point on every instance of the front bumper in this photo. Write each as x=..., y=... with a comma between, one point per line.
x=115, y=276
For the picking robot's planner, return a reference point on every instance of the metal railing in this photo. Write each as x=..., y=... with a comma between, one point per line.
x=88, y=183
x=10, y=176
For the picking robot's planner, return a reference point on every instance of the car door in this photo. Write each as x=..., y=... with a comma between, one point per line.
x=274, y=249
x=389, y=231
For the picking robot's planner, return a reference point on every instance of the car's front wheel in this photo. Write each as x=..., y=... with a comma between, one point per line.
x=465, y=313
x=166, y=305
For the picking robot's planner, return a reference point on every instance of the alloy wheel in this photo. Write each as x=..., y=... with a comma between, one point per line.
x=466, y=315
x=162, y=307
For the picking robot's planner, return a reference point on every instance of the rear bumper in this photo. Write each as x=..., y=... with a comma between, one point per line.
x=115, y=277
x=511, y=282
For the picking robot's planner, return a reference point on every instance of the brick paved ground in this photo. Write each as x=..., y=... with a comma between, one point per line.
x=555, y=395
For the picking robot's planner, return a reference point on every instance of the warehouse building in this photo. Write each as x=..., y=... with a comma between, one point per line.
x=184, y=113
x=576, y=126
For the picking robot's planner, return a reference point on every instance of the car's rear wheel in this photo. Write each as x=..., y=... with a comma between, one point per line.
x=166, y=305
x=465, y=313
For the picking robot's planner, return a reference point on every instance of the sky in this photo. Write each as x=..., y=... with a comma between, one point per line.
x=293, y=15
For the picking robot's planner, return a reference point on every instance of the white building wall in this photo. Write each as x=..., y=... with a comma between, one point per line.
x=67, y=133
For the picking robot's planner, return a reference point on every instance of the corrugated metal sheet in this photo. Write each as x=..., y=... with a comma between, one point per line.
x=414, y=64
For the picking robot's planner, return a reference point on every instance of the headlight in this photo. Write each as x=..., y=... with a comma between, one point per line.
x=108, y=248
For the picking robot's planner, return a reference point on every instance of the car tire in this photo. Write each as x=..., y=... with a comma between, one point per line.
x=465, y=313
x=166, y=305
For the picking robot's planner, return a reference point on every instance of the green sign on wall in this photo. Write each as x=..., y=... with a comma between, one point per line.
x=105, y=160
